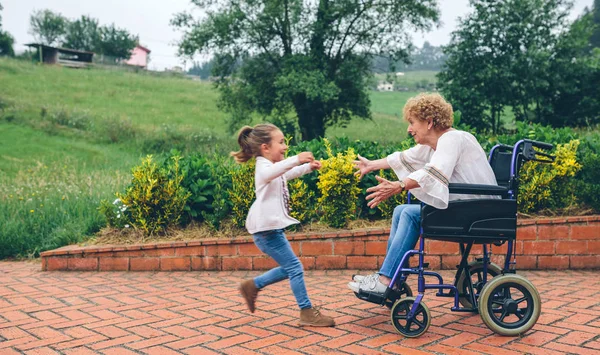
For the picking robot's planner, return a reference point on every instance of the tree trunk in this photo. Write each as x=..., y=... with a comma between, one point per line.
x=311, y=118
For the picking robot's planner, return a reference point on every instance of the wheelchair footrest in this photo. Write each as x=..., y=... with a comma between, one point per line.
x=372, y=297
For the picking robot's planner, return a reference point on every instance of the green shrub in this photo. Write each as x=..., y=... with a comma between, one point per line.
x=242, y=192
x=549, y=185
x=117, y=214
x=219, y=167
x=154, y=200
x=338, y=187
x=302, y=201
x=588, y=181
x=197, y=179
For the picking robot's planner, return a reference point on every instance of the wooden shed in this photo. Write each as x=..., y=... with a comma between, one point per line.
x=63, y=56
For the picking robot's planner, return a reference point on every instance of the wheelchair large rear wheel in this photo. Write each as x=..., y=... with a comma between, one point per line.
x=476, y=269
x=509, y=305
x=417, y=325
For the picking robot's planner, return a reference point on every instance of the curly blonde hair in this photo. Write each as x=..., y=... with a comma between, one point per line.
x=427, y=106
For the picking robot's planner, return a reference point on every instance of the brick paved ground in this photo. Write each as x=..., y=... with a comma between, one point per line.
x=201, y=313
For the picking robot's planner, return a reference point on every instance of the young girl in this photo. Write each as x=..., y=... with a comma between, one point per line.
x=269, y=215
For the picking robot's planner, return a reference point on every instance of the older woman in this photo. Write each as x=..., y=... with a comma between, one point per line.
x=442, y=155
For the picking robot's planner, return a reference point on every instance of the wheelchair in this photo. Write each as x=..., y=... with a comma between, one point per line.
x=508, y=303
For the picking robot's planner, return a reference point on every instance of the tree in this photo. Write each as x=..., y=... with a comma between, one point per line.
x=310, y=60
x=83, y=34
x=572, y=97
x=202, y=70
x=500, y=56
x=6, y=40
x=47, y=27
x=116, y=42
x=427, y=57
x=595, y=39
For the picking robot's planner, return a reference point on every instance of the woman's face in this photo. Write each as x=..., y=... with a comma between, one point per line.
x=275, y=151
x=418, y=129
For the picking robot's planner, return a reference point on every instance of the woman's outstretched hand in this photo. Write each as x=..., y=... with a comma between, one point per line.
x=381, y=192
x=362, y=164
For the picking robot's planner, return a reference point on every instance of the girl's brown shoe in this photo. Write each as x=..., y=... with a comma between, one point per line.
x=249, y=292
x=312, y=317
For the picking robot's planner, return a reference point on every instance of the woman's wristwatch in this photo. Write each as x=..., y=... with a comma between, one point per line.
x=402, y=185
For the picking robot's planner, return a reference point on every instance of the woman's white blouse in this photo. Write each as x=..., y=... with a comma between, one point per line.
x=458, y=158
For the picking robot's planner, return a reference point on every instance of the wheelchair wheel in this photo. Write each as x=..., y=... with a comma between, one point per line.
x=404, y=291
x=476, y=268
x=509, y=305
x=414, y=327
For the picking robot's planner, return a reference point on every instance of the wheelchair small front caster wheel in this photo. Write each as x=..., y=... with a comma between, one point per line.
x=509, y=305
x=410, y=328
x=476, y=270
x=403, y=291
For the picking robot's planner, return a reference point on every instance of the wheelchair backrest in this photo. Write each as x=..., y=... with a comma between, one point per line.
x=500, y=161
x=506, y=167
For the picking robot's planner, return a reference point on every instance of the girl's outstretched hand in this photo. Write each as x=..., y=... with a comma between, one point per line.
x=362, y=164
x=306, y=157
x=315, y=165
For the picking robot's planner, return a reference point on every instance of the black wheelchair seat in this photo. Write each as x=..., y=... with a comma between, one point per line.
x=480, y=221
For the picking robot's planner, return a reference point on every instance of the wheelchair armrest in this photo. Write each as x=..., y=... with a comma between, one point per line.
x=475, y=189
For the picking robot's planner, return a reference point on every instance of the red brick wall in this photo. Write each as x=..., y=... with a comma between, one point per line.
x=551, y=243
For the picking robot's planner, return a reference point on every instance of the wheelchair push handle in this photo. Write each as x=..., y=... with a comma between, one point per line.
x=541, y=145
x=531, y=154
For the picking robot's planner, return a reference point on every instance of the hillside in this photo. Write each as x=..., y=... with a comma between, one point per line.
x=109, y=118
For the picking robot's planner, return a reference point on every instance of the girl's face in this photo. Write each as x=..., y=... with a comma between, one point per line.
x=275, y=150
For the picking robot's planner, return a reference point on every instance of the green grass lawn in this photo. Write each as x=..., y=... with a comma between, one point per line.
x=147, y=102
x=24, y=147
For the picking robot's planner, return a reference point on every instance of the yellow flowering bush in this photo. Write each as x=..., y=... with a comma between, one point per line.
x=338, y=187
x=549, y=185
x=300, y=197
x=241, y=193
x=155, y=198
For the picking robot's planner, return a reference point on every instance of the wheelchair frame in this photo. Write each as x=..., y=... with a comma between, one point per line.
x=489, y=296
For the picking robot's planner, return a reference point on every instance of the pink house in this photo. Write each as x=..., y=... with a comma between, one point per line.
x=139, y=57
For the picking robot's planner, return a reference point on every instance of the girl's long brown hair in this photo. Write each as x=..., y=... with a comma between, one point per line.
x=250, y=139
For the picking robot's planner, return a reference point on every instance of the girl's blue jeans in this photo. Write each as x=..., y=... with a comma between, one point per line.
x=275, y=244
x=404, y=234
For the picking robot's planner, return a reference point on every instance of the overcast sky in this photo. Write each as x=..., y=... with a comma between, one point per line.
x=149, y=19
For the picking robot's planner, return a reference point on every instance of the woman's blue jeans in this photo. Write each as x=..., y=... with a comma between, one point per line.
x=275, y=244
x=406, y=227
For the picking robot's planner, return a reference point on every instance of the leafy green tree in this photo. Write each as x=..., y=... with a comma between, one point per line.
x=305, y=60
x=83, y=34
x=6, y=40
x=595, y=39
x=572, y=97
x=203, y=70
x=116, y=42
x=500, y=56
x=428, y=57
x=47, y=27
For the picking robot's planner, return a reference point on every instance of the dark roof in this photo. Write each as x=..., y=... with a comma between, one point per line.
x=64, y=50
x=143, y=48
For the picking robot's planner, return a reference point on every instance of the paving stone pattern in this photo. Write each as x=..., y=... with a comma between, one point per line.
x=202, y=313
